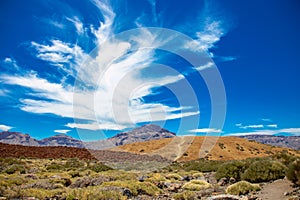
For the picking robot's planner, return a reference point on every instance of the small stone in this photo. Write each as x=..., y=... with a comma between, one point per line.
x=127, y=192
x=223, y=182
x=232, y=180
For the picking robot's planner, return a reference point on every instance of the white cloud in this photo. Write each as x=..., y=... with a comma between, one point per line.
x=272, y=125
x=261, y=132
x=62, y=131
x=294, y=131
x=266, y=120
x=206, y=66
x=5, y=127
x=238, y=125
x=206, y=130
x=208, y=36
x=96, y=126
x=252, y=126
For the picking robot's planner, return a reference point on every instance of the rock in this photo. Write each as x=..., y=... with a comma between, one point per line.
x=86, y=181
x=223, y=182
x=186, y=178
x=44, y=184
x=31, y=176
x=224, y=197
x=127, y=192
x=174, y=187
x=252, y=197
x=142, y=178
x=232, y=180
x=81, y=182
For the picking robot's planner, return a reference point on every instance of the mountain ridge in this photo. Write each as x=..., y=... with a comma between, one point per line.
x=143, y=133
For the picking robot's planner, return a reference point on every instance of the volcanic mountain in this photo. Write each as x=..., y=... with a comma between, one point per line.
x=143, y=133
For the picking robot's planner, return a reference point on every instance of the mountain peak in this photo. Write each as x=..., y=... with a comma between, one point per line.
x=143, y=133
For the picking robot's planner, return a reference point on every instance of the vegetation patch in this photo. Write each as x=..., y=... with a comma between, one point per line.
x=196, y=185
x=263, y=171
x=242, y=188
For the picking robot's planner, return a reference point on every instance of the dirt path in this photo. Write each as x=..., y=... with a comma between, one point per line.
x=175, y=149
x=276, y=190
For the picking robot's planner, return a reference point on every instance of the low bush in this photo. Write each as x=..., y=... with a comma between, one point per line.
x=232, y=169
x=241, y=188
x=186, y=195
x=15, y=168
x=173, y=176
x=264, y=170
x=202, y=165
x=99, y=167
x=196, y=185
x=135, y=187
x=293, y=172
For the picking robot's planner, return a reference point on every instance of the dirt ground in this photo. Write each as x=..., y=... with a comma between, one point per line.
x=276, y=190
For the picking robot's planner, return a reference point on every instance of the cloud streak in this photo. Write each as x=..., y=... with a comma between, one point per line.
x=5, y=127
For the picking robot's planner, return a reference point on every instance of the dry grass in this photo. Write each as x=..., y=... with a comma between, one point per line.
x=225, y=148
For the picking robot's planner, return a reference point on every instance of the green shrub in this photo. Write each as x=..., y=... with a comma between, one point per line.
x=74, y=163
x=293, y=172
x=173, y=176
x=284, y=157
x=99, y=167
x=241, y=188
x=15, y=168
x=202, y=165
x=135, y=187
x=231, y=169
x=264, y=170
x=55, y=167
x=196, y=185
x=186, y=195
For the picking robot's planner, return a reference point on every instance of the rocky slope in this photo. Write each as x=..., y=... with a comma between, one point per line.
x=281, y=141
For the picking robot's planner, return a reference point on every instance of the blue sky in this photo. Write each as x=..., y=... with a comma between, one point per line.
x=68, y=67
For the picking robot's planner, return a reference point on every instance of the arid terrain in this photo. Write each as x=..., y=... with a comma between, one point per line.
x=234, y=168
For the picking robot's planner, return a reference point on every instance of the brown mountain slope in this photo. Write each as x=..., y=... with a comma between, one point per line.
x=17, y=151
x=188, y=148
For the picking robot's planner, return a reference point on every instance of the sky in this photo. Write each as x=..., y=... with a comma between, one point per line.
x=90, y=69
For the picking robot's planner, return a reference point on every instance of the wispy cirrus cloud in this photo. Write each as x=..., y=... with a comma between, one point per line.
x=252, y=126
x=111, y=84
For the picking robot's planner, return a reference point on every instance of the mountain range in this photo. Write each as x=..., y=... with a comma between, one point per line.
x=144, y=133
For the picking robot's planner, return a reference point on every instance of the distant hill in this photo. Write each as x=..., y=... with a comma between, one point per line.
x=18, y=138
x=191, y=148
x=61, y=140
x=143, y=133
x=281, y=141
